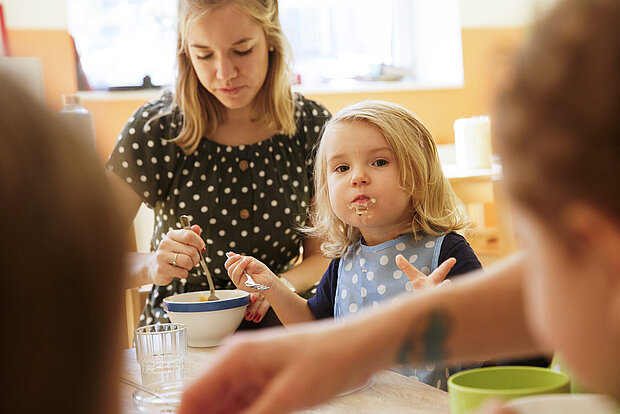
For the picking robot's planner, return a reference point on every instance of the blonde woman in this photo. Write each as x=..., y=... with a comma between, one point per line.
x=231, y=148
x=382, y=201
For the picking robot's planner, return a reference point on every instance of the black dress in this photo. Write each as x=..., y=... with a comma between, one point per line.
x=249, y=199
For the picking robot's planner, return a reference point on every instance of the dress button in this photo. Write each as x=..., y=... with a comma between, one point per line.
x=244, y=214
x=243, y=165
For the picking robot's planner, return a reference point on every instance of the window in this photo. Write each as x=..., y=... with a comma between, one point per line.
x=122, y=41
x=338, y=42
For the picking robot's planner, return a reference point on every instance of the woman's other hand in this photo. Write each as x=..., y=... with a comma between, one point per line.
x=258, y=307
x=419, y=280
x=176, y=255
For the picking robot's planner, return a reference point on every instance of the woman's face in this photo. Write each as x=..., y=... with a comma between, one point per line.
x=230, y=55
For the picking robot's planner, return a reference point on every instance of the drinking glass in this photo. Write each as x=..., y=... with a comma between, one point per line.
x=160, y=351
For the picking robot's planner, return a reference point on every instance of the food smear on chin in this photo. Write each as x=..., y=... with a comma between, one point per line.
x=362, y=205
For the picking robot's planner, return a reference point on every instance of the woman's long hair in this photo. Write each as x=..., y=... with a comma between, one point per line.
x=203, y=112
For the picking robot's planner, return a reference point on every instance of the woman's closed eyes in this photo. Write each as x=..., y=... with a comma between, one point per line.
x=237, y=52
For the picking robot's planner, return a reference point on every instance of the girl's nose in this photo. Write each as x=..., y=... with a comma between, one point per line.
x=359, y=177
x=226, y=69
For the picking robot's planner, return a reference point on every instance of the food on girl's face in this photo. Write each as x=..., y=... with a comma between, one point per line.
x=362, y=204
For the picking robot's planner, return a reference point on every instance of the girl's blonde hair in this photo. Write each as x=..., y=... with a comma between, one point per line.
x=435, y=208
x=203, y=112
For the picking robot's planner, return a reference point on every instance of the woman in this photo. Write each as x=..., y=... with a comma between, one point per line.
x=231, y=148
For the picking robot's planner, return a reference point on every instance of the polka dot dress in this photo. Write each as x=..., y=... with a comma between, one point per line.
x=248, y=198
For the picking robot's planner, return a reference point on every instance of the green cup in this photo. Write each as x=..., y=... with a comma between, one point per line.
x=469, y=389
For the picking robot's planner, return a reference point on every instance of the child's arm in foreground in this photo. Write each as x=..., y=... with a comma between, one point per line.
x=290, y=307
x=478, y=317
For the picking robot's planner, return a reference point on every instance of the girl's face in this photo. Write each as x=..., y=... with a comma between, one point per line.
x=568, y=302
x=229, y=53
x=363, y=181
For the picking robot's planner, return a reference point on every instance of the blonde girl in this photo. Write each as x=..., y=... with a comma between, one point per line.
x=382, y=202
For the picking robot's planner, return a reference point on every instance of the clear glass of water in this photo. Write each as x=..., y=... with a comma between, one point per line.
x=160, y=351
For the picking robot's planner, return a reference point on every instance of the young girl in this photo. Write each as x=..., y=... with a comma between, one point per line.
x=381, y=200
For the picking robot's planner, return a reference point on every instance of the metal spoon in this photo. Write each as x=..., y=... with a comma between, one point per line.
x=249, y=282
x=252, y=284
x=186, y=222
x=141, y=387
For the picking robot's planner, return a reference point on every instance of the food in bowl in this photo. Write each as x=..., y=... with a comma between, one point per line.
x=208, y=322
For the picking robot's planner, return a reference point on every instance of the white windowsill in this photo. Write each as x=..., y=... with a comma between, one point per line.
x=334, y=87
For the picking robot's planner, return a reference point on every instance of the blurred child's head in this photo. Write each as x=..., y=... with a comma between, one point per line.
x=61, y=260
x=557, y=130
x=423, y=196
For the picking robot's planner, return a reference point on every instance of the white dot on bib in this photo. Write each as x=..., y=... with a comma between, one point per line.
x=430, y=244
x=355, y=278
x=413, y=258
x=397, y=274
x=364, y=292
x=348, y=266
x=425, y=270
x=343, y=294
x=400, y=247
x=370, y=275
x=353, y=308
x=409, y=286
x=362, y=262
x=381, y=289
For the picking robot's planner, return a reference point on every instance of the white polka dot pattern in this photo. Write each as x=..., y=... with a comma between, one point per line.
x=243, y=197
x=369, y=275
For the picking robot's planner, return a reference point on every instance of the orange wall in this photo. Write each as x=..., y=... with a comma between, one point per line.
x=55, y=49
x=485, y=55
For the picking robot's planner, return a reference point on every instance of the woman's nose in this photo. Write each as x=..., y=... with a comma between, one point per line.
x=226, y=69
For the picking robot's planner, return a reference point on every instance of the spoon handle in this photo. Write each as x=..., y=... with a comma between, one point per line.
x=140, y=387
x=186, y=222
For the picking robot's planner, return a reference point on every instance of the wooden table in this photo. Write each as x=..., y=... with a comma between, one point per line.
x=391, y=393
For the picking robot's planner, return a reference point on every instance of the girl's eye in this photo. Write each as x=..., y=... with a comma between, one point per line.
x=243, y=52
x=342, y=168
x=380, y=163
x=204, y=57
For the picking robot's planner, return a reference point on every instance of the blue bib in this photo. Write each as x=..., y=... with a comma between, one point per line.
x=368, y=275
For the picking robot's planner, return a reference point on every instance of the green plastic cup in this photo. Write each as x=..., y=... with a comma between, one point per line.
x=469, y=389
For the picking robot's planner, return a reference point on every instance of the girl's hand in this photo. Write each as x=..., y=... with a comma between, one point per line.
x=176, y=255
x=419, y=280
x=237, y=265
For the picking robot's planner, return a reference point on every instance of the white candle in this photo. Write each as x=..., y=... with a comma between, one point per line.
x=472, y=141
